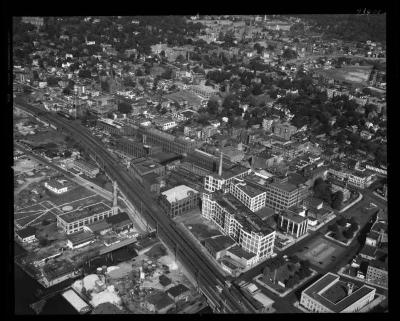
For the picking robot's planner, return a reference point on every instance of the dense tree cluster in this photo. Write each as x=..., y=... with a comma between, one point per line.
x=350, y=27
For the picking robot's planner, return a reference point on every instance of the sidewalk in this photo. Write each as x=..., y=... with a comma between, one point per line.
x=297, y=305
x=359, y=198
x=380, y=196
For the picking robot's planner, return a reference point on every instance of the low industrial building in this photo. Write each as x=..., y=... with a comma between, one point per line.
x=86, y=168
x=120, y=222
x=159, y=303
x=75, y=220
x=178, y=292
x=265, y=301
x=26, y=235
x=179, y=200
x=239, y=255
x=58, y=186
x=79, y=239
x=101, y=227
x=329, y=294
x=218, y=245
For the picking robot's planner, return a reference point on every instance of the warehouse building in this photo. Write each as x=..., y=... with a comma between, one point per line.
x=75, y=220
x=179, y=200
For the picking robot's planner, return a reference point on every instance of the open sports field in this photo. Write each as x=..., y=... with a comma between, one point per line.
x=350, y=74
x=320, y=252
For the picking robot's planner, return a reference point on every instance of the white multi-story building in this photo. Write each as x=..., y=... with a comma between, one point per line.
x=165, y=124
x=329, y=294
x=57, y=186
x=358, y=178
x=253, y=198
x=233, y=219
x=282, y=195
x=203, y=91
x=215, y=182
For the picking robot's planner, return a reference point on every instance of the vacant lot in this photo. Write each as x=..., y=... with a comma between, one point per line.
x=198, y=226
x=45, y=137
x=320, y=252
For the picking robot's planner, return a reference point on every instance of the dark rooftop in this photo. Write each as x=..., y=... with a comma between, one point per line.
x=99, y=226
x=85, y=212
x=118, y=218
x=164, y=280
x=248, y=220
x=160, y=300
x=80, y=237
x=220, y=243
x=26, y=232
x=238, y=251
x=265, y=213
x=177, y=290
x=287, y=187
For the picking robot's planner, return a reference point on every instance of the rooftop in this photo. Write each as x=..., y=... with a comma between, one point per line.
x=249, y=220
x=177, y=290
x=99, y=226
x=80, y=237
x=333, y=297
x=178, y=193
x=87, y=211
x=248, y=189
x=59, y=183
x=118, y=218
x=26, y=232
x=287, y=187
x=160, y=300
x=238, y=251
x=292, y=216
x=219, y=243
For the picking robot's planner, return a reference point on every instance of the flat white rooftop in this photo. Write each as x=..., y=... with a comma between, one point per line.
x=178, y=193
x=75, y=300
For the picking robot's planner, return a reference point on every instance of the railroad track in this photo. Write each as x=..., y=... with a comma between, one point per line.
x=230, y=299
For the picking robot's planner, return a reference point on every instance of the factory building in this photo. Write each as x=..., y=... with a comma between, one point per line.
x=74, y=221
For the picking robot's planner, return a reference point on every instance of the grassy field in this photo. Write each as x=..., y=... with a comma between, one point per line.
x=350, y=74
x=75, y=194
x=181, y=95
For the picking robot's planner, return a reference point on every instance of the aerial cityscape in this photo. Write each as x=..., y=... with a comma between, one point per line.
x=223, y=164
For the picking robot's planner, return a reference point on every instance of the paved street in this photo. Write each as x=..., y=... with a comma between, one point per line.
x=282, y=304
